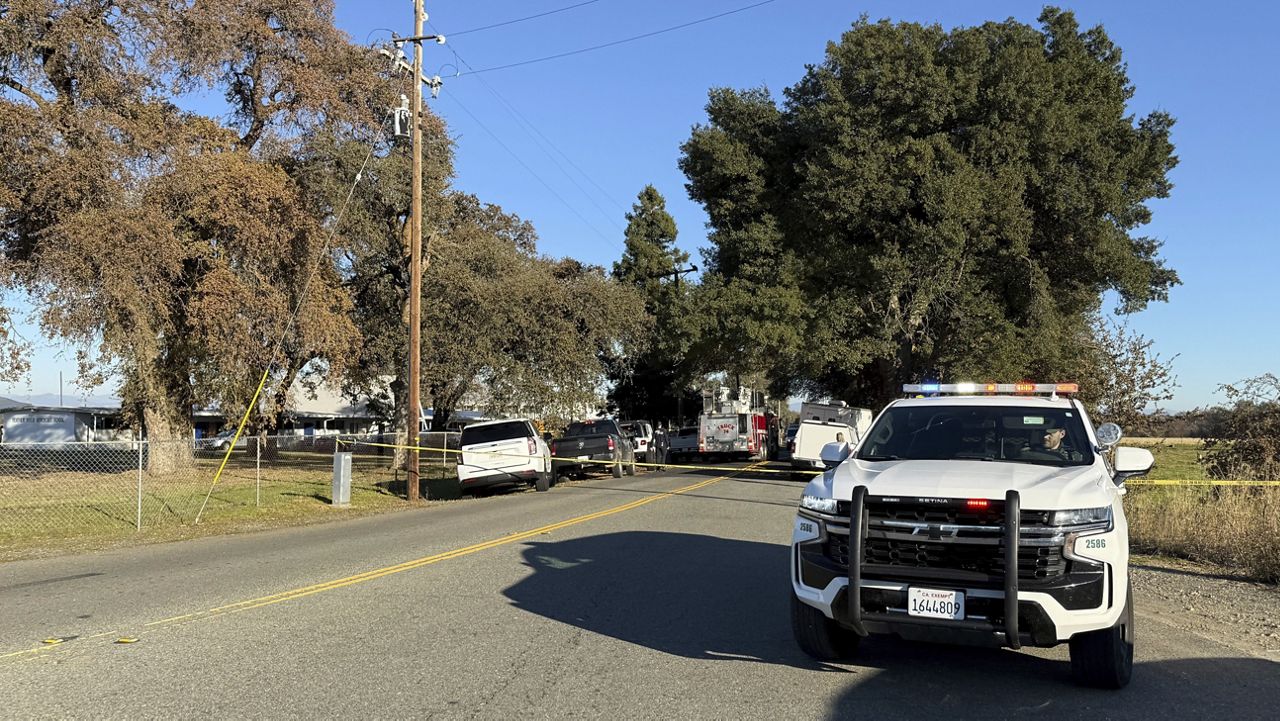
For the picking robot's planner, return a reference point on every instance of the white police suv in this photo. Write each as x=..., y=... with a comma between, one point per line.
x=972, y=513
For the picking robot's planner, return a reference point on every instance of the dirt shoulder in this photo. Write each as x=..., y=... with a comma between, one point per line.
x=1208, y=601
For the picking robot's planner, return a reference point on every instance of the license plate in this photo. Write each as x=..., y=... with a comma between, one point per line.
x=935, y=603
x=584, y=458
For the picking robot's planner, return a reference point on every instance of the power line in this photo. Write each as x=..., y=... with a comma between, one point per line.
x=520, y=20
x=527, y=126
x=620, y=42
x=530, y=170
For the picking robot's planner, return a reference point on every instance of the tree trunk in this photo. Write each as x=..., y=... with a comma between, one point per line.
x=440, y=417
x=401, y=418
x=169, y=434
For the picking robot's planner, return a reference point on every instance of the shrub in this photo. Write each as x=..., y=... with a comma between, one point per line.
x=1248, y=444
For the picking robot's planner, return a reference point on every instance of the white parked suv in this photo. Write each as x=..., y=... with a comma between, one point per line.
x=641, y=433
x=989, y=516
x=503, y=453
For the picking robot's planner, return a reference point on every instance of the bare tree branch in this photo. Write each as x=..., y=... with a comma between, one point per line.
x=31, y=94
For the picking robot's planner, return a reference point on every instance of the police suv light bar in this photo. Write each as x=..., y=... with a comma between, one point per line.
x=976, y=388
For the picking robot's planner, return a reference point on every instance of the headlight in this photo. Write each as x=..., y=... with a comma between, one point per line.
x=1082, y=517
x=819, y=504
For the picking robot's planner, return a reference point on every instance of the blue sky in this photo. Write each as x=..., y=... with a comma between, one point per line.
x=568, y=143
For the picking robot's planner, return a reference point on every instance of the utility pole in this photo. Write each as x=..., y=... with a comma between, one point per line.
x=415, y=267
x=412, y=485
x=676, y=273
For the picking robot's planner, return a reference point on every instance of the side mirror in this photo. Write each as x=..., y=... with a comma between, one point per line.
x=1109, y=434
x=1131, y=462
x=834, y=453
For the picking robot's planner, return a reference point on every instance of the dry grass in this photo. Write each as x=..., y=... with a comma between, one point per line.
x=1142, y=442
x=1238, y=528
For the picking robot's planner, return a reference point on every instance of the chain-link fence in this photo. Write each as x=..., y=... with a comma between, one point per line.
x=70, y=490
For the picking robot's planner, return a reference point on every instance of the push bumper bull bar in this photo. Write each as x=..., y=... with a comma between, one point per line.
x=858, y=524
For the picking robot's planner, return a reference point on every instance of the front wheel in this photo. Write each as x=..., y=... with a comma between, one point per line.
x=1104, y=658
x=819, y=636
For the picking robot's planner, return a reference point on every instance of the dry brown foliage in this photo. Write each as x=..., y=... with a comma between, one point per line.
x=1234, y=527
x=171, y=245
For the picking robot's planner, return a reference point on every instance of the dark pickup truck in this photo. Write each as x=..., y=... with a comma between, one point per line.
x=593, y=443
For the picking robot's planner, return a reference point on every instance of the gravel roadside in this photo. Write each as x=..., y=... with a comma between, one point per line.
x=1209, y=602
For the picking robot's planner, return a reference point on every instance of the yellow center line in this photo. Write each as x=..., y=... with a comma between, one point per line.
x=400, y=567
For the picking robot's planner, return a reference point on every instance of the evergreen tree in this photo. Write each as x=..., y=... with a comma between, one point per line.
x=651, y=378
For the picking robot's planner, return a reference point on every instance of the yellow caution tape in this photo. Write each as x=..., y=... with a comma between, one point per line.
x=1198, y=482
x=572, y=459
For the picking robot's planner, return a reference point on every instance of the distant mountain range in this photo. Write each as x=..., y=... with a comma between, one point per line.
x=68, y=400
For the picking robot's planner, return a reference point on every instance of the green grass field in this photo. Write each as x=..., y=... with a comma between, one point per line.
x=1176, y=461
x=46, y=511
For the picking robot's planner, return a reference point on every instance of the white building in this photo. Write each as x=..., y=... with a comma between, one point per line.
x=29, y=423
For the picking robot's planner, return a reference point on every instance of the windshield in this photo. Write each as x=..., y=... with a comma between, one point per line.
x=1043, y=436
x=591, y=428
x=472, y=435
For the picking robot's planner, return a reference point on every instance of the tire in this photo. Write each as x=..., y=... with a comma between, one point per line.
x=616, y=469
x=543, y=483
x=630, y=469
x=819, y=636
x=1104, y=658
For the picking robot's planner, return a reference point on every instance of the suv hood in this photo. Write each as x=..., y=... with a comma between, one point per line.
x=1040, y=487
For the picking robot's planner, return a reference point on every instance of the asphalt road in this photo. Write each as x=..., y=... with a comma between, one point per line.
x=606, y=599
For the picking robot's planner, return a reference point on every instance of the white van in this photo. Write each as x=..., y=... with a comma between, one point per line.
x=503, y=453
x=812, y=435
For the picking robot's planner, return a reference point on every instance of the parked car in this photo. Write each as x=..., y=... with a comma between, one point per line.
x=684, y=443
x=789, y=438
x=641, y=433
x=594, y=443
x=503, y=453
x=222, y=441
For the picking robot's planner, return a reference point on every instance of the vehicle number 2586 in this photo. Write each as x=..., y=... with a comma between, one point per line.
x=1095, y=543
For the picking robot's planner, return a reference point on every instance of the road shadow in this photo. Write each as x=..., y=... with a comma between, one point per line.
x=693, y=596
x=716, y=599
x=928, y=681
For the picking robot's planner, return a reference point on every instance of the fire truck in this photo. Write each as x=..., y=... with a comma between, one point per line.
x=734, y=425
